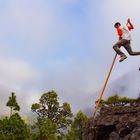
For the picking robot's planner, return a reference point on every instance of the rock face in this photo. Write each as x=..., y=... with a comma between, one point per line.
x=115, y=123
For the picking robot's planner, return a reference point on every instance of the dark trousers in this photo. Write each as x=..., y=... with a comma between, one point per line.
x=127, y=45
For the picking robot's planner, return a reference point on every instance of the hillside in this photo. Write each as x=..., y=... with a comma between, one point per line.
x=115, y=123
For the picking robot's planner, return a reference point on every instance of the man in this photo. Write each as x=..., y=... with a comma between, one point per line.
x=124, y=39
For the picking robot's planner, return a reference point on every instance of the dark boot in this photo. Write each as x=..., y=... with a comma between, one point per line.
x=123, y=57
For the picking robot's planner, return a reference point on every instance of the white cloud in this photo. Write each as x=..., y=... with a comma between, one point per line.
x=20, y=77
x=16, y=71
x=43, y=26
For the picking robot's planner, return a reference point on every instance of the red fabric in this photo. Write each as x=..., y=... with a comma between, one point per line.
x=119, y=32
x=130, y=27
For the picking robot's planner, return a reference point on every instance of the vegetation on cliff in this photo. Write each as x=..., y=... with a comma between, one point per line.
x=117, y=119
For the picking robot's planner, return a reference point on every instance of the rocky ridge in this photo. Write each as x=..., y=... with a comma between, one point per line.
x=115, y=123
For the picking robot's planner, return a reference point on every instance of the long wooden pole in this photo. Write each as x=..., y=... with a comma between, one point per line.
x=101, y=94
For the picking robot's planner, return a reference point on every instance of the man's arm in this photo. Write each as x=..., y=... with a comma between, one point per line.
x=119, y=33
x=129, y=24
x=120, y=37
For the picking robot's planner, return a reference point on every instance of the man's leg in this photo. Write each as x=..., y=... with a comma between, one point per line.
x=117, y=46
x=127, y=46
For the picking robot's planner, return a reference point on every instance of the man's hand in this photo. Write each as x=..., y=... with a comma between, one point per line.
x=128, y=21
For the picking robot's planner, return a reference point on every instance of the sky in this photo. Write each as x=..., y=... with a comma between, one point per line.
x=66, y=46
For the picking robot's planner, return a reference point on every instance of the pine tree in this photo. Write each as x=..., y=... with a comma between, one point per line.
x=50, y=109
x=14, y=128
x=77, y=127
x=12, y=103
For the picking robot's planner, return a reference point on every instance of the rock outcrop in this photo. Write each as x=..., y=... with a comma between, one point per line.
x=115, y=123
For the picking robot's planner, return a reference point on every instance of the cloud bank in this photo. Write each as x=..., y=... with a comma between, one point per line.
x=66, y=46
